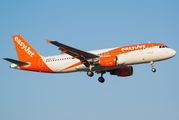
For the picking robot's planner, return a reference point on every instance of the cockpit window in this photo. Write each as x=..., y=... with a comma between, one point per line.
x=163, y=47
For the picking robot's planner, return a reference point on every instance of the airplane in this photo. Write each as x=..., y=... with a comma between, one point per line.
x=116, y=61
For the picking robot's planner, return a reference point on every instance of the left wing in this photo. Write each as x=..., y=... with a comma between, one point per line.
x=76, y=53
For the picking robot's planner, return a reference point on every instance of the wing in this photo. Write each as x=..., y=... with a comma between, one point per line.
x=75, y=53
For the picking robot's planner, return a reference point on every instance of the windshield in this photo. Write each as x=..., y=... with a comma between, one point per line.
x=163, y=47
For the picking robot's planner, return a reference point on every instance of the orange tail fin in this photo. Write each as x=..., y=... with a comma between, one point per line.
x=24, y=51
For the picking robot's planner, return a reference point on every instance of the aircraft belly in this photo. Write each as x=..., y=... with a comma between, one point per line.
x=69, y=70
x=81, y=68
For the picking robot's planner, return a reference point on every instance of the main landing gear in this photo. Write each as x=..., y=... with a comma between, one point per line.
x=90, y=73
x=152, y=64
x=100, y=79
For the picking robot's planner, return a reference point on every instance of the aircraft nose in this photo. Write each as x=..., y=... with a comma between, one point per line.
x=172, y=52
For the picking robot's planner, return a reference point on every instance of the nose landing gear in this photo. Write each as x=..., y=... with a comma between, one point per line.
x=153, y=70
x=152, y=64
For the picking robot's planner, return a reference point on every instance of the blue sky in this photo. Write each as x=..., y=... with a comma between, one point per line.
x=89, y=25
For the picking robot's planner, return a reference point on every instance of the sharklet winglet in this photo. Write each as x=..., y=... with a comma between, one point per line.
x=48, y=41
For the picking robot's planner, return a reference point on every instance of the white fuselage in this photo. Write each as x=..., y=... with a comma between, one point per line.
x=59, y=63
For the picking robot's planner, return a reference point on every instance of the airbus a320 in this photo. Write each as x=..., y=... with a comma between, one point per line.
x=116, y=61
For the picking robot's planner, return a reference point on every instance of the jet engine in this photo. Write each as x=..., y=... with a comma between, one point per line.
x=108, y=61
x=111, y=61
x=123, y=71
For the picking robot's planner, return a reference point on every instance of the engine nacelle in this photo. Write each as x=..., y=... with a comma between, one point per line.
x=108, y=61
x=111, y=61
x=123, y=71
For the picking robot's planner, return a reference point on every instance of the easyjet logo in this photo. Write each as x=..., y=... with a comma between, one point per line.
x=133, y=47
x=23, y=46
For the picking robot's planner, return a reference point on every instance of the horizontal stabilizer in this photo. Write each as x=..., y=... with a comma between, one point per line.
x=16, y=62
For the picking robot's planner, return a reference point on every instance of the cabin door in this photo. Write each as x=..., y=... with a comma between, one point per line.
x=150, y=48
x=40, y=63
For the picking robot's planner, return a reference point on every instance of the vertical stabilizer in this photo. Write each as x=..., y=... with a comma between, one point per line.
x=24, y=51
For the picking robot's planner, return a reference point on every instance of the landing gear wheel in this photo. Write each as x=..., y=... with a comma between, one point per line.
x=152, y=64
x=90, y=73
x=101, y=79
x=153, y=70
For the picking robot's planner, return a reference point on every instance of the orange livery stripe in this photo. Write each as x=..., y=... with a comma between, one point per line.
x=74, y=65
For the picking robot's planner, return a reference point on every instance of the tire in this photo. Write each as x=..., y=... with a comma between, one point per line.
x=90, y=73
x=153, y=70
x=101, y=79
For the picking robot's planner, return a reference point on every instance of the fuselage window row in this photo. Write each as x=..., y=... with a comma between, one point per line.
x=120, y=51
